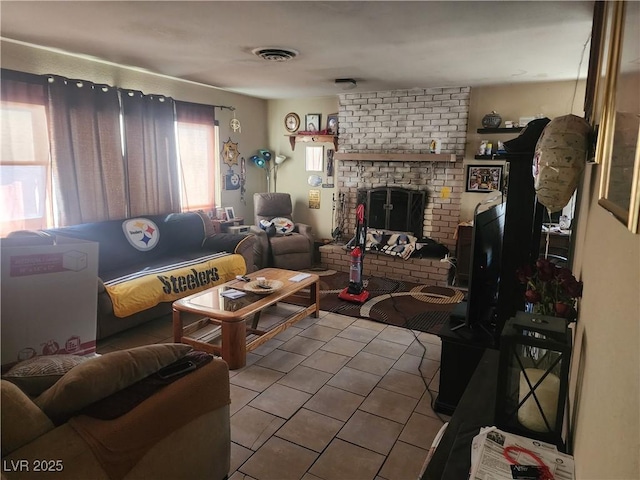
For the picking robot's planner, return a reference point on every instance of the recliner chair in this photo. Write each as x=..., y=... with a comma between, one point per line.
x=292, y=250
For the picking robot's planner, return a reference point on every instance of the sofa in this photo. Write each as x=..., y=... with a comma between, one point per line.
x=147, y=262
x=113, y=417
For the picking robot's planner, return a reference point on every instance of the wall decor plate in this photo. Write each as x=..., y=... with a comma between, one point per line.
x=314, y=180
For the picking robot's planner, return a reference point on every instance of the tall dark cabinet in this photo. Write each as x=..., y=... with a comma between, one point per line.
x=463, y=348
x=521, y=241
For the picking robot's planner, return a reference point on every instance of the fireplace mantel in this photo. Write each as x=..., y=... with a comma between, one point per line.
x=396, y=157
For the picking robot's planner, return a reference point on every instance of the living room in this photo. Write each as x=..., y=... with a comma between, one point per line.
x=606, y=254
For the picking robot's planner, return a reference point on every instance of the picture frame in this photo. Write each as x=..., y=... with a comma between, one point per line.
x=596, y=79
x=312, y=122
x=332, y=124
x=618, y=147
x=230, y=214
x=484, y=178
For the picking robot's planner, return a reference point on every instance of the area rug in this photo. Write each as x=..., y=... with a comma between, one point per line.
x=395, y=302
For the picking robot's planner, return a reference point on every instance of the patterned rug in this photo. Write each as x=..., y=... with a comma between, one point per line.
x=395, y=302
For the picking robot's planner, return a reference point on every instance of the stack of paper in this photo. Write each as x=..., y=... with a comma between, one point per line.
x=233, y=293
x=299, y=277
x=488, y=460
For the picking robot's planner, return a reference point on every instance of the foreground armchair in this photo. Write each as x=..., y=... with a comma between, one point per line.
x=179, y=429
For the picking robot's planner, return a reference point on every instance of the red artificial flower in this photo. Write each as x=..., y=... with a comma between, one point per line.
x=562, y=309
x=552, y=290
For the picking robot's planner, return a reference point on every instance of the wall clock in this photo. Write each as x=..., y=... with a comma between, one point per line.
x=292, y=122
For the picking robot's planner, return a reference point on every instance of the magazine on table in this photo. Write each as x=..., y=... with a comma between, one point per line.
x=488, y=460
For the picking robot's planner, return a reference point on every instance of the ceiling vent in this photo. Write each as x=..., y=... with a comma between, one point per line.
x=275, y=54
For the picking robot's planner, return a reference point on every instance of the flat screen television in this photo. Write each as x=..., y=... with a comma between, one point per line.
x=484, y=276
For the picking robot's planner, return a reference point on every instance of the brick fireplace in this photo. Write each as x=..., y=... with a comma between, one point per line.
x=404, y=122
x=395, y=129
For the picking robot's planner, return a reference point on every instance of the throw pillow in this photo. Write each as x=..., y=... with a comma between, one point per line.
x=35, y=375
x=102, y=376
x=210, y=228
x=283, y=225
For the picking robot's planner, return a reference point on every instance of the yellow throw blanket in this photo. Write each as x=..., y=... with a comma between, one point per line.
x=145, y=289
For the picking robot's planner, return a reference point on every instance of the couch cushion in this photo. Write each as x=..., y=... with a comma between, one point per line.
x=102, y=376
x=35, y=375
x=22, y=421
x=139, y=240
x=116, y=251
x=294, y=243
x=184, y=232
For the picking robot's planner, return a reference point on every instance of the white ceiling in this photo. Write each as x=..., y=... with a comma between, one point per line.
x=382, y=44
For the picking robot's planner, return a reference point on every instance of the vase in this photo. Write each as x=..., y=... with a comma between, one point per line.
x=491, y=120
x=558, y=309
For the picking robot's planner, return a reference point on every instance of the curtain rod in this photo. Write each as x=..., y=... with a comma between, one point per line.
x=222, y=107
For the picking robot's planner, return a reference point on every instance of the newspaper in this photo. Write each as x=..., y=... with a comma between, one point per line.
x=488, y=461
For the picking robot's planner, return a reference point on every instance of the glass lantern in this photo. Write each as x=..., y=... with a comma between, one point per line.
x=535, y=355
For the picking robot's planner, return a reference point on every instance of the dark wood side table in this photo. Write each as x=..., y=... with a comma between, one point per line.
x=225, y=224
x=452, y=458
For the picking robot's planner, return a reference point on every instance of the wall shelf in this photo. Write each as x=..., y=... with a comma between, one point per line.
x=293, y=139
x=500, y=130
x=495, y=156
x=397, y=157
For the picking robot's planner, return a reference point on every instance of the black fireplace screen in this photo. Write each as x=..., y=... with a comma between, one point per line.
x=396, y=209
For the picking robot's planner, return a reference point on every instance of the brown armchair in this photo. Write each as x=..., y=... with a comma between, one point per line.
x=292, y=251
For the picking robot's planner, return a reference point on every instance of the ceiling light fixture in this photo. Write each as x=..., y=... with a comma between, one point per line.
x=346, y=83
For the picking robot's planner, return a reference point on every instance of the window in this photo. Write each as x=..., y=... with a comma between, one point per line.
x=198, y=157
x=56, y=169
x=25, y=186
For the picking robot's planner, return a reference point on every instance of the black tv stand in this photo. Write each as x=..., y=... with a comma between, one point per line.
x=462, y=349
x=459, y=313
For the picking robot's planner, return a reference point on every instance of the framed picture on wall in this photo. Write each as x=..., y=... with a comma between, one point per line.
x=332, y=124
x=312, y=122
x=484, y=178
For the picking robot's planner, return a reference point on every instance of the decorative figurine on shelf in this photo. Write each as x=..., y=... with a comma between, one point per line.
x=491, y=120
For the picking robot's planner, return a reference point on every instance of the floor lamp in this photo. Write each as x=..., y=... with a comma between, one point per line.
x=279, y=160
x=262, y=161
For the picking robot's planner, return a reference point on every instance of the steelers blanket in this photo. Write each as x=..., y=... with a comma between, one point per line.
x=145, y=289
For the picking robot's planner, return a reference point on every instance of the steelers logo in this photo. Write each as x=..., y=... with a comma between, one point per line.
x=141, y=233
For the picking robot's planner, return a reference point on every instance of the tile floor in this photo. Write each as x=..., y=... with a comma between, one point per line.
x=329, y=398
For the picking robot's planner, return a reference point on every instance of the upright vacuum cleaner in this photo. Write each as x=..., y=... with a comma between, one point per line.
x=355, y=292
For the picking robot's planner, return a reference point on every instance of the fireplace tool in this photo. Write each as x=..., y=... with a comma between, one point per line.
x=355, y=292
x=338, y=219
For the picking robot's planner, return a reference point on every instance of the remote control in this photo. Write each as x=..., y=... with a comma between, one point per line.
x=243, y=278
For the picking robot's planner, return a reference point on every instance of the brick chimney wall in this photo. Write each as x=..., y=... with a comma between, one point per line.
x=406, y=121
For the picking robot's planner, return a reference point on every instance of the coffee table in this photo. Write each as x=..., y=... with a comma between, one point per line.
x=224, y=331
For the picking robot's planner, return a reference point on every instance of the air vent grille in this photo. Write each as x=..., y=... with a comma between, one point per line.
x=275, y=54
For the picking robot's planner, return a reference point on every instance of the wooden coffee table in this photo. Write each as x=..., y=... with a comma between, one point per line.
x=224, y=330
